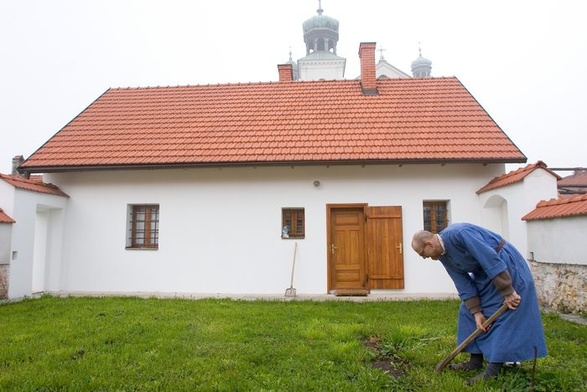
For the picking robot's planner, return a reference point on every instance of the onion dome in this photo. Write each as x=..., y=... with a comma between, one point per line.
x=421, y=67
x=320, y=33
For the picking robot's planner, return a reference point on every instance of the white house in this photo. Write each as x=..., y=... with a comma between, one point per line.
x=205, y=189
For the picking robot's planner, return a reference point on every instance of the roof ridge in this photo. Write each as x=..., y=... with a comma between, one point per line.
x=385, y=80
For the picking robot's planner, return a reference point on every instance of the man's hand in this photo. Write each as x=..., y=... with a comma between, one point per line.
x=512, y=300
x=479, y=320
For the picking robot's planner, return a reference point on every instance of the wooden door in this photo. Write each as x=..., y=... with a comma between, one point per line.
x=346, y=248
x=384, y=247
x=365, y=247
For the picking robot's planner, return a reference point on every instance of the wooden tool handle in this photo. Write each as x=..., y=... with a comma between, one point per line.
x=442, y=364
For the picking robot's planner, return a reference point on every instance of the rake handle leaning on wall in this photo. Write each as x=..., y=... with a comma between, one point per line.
x=442, y=364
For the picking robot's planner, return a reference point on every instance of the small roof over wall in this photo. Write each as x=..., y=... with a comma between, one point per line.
x=515, y=176
x=4, y=218
x=562, y=207
x=34, y=184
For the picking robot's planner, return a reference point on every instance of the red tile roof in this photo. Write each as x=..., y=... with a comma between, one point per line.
x=34, y=184
x=515, y=176
x=559, y=208
x=425, y=120
x=5, y=218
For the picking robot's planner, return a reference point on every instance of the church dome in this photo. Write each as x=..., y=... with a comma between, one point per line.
x=421, y=61
x=320, y=21
x=320, y=33
x=421, y=67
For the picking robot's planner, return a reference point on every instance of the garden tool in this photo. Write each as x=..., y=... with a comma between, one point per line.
x=291, y=292
x=441, y=365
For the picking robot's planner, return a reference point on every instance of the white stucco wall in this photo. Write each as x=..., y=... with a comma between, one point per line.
x=319, y=66
x=558, y=240
x=503, y=208
x=28, y=259
x=5, y=240
x=220, y=228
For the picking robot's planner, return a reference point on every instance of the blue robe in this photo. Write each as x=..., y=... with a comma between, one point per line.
x=472, y=261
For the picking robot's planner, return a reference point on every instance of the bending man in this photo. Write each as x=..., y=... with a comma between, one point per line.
x=487, y=272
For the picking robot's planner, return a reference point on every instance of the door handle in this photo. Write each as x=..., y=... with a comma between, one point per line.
x=400, y=248
x=332, y=248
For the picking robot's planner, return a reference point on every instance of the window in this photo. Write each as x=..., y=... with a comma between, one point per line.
x=143, y=226
x=435, y=215
x=293, y=223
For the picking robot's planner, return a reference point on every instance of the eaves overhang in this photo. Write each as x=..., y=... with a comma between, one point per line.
x=348, y=162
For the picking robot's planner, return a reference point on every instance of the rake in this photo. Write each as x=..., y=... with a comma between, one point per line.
x=442, y=364
x=291, y=292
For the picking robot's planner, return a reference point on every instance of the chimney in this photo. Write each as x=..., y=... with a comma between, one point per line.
x=368, y=72
x=285, y=72
x=16, y=162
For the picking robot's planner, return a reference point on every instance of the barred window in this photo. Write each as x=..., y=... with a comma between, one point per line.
x=143, y=226
x=435, y=215
x=293, y=224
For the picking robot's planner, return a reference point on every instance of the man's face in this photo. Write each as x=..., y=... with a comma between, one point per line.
x=429, y=250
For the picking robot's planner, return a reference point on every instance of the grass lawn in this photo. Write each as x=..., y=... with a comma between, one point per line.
x=134, y=344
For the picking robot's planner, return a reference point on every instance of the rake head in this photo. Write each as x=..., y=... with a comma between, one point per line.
x=291, y=292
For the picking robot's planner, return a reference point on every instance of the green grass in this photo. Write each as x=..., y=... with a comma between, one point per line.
x=133, y=344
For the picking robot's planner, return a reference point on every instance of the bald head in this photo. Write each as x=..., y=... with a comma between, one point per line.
x=420, y=238
x=427, y=244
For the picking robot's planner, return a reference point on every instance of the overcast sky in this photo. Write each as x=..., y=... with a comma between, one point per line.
x=525, y=61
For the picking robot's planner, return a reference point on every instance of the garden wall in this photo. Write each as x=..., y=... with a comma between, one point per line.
x=561, y=286
x=3, y=281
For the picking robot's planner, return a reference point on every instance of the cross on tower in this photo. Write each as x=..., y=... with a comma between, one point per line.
x=381, y=50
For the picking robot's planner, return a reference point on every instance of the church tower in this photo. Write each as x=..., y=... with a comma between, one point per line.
x=421, y=67
x=321, y=61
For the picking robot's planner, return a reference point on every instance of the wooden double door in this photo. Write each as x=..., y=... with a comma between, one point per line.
x=365, y=247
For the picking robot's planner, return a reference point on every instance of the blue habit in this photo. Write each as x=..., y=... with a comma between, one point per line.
x=472, y=261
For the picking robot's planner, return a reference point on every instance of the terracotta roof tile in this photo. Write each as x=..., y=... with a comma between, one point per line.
x=515, y=176
x=4, y=218
x=411, y=120
x=34, y=184
x=559, y=208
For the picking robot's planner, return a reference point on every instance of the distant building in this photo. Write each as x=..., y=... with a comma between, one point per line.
x=323, y=63
x=575, y=183
x=421, y=67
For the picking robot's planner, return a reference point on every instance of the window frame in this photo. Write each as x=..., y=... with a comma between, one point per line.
x=150, y=231
x=290, y=215
x=433, y=225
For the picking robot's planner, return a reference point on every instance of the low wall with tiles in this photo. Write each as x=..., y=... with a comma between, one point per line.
x=561, y=286
x=4, y=281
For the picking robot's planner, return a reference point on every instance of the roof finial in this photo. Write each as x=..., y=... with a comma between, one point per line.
x=320, y=10
x=290, y=59
x=381, y=50
x=420, y=48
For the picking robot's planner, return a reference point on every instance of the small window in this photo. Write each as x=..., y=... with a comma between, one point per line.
x=293, y=223
x=143, y=226
x=435, y=215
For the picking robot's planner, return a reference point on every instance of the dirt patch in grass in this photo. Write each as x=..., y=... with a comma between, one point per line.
x=385, y=357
